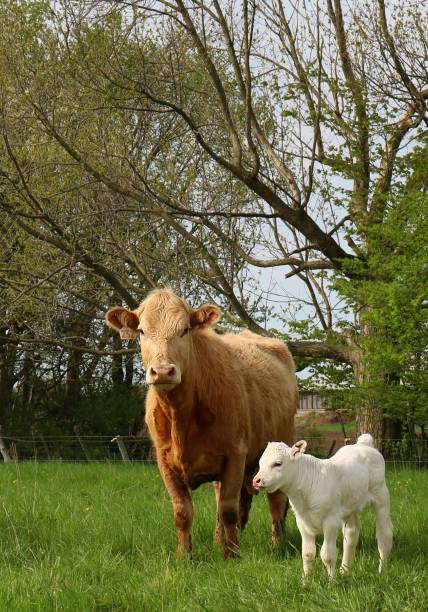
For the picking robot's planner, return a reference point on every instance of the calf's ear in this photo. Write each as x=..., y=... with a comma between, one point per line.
x=298, y=447
x=205, y=316
x=123, y=321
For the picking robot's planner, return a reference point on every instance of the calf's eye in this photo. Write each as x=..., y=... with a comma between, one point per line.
x=186, y=331
x=277, y=464
x=141, y=332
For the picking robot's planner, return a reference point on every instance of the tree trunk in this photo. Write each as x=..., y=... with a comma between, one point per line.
x=8, y=354
x=27, y=380
x=129, y=366
x=79, y=328
x=370, y=420
x=73, y=383
x=369, y=415
x=117, y=362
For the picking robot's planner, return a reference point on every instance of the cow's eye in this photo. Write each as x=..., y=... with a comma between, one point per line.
x=277, y=464
x=186, y=331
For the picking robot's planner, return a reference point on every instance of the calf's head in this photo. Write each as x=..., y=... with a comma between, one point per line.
x=276, y=464
x=165, y=323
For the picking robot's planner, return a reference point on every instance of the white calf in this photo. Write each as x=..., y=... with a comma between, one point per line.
x=326, y=493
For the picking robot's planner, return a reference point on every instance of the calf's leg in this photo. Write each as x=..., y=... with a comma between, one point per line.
x=181, y=503
x=351, y=531
x=328, y=549
x=383, y=524
x=308, y=547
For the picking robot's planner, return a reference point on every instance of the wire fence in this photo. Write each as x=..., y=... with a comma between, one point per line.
x=405, y=452
x=79, y=448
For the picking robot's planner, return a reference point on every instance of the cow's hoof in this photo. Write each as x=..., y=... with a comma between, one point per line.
x=231, y=553
x=218, y=539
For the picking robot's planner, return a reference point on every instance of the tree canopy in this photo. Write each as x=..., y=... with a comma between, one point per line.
x=258, y=155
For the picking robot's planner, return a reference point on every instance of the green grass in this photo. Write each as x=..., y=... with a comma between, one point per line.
x=101, y=537
x=350, y=428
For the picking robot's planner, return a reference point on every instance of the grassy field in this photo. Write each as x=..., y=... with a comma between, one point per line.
x=101, y=537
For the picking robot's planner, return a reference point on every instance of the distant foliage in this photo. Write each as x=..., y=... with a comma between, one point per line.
x=112, y=409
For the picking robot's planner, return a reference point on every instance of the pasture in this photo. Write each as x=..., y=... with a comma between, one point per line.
x=78, y=537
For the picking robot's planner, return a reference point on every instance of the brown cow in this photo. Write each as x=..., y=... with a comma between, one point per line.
x=213, y=404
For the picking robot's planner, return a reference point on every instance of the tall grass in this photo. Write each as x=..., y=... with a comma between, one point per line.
x=101, y=537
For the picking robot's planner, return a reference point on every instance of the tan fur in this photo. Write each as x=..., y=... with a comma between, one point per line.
x=236, y=393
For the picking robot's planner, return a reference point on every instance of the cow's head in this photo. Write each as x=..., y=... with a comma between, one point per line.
x=164, y=322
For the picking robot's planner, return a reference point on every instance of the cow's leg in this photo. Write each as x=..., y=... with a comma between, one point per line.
x=231, y=483
x=244, y=505
x=351, y=531
x=245, y=501
x=181, y=503
x=219, y=531
x=278, y=506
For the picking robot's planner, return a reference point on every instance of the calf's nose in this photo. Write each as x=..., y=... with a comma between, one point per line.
x=257, y=482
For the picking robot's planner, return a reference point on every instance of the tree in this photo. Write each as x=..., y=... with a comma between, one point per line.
x=62, y=233
x=258, y=137
x=396, y=350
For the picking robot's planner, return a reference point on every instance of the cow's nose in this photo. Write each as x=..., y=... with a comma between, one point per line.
x=162, y=373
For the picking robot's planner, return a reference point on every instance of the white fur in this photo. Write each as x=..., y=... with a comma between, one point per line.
x=327, y=493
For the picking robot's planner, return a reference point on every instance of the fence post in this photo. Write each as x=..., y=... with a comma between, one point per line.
x=81, y=442
x=330, y=451
x=122, y=448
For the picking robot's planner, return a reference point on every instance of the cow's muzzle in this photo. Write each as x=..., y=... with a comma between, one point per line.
x=163, y=375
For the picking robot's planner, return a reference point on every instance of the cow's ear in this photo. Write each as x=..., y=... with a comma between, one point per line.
x=298, y=447
x=205, y=316
x=123, y=321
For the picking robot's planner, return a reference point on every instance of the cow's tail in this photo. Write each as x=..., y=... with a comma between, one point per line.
x=366, y=439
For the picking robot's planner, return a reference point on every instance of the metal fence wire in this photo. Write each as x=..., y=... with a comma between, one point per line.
x=77, y=448
x=81, y=448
